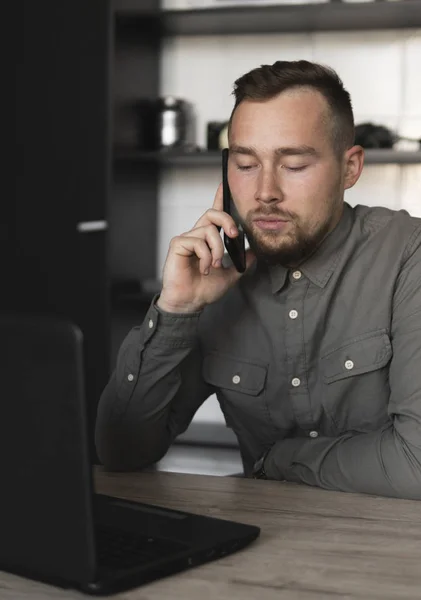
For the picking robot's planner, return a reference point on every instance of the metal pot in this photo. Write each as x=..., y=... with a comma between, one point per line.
x=175, y=126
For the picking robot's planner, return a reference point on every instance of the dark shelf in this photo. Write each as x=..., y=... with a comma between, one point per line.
x=330, y=16
x=211, y=159
x=392, y=157
x=169, y=158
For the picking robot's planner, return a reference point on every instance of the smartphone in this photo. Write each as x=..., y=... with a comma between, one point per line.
x=235, y=246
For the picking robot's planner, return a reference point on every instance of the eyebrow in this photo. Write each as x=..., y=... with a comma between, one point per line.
x=283, y=151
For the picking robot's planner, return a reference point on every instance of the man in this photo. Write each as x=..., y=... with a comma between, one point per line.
x=315, y=352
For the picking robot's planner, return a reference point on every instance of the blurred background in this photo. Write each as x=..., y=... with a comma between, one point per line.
x=122, y=108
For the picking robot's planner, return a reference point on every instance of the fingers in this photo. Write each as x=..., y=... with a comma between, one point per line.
x=188, y=246
x=204, y=240
x=219, y=219
x=206, y=245
x=216, y=216
x=213, y=240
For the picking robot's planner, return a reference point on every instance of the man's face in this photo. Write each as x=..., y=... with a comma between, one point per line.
x=285, y=178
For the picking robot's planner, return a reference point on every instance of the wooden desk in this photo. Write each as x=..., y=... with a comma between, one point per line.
x=314, y=545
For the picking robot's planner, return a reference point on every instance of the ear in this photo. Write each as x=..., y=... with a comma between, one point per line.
x=354, y=162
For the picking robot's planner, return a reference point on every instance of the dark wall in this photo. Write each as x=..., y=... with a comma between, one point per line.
x=62, y=159
x=81, y=71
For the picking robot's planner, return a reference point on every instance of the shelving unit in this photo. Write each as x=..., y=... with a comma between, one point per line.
x=324, y=16
x=213, y=158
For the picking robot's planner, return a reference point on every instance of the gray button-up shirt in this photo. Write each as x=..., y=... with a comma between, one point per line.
x=320, y=364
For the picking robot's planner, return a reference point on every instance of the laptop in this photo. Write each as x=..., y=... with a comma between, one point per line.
x=53, y=526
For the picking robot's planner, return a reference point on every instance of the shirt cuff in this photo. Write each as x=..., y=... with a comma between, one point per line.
x=171, y=329
x=279, y=461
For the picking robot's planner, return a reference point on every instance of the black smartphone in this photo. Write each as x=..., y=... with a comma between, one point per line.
x=235, y=246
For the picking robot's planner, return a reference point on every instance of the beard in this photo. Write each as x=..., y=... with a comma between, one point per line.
x=278, y=248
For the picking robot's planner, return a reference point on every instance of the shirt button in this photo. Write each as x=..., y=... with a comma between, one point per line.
x=297, y=274
x=296, y=382
x=293, y=314
x=236, y=379
x=150, y=323
x=314, y=434
x=130, y=377
x=349, y=365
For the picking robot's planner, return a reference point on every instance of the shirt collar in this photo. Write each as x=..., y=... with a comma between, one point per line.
x=320, y=265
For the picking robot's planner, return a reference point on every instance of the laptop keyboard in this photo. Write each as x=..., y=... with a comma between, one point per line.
x=123, y=549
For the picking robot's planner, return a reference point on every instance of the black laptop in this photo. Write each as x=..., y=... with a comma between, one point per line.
x=53, y=527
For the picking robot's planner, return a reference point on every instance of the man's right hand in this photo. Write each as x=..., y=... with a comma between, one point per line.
x=193, y=274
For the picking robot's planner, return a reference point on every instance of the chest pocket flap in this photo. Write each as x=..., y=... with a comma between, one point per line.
x=363, y=354
x=229, y=373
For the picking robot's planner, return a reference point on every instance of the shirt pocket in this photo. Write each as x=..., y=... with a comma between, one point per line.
x=230, y=373
x=356, y=382
x=240, y=385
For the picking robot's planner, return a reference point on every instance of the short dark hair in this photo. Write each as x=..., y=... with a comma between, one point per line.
x=267, y=81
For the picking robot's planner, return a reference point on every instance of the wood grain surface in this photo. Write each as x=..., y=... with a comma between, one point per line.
x=314, y=544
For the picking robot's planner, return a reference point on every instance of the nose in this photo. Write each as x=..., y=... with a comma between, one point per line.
x=268, y=188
